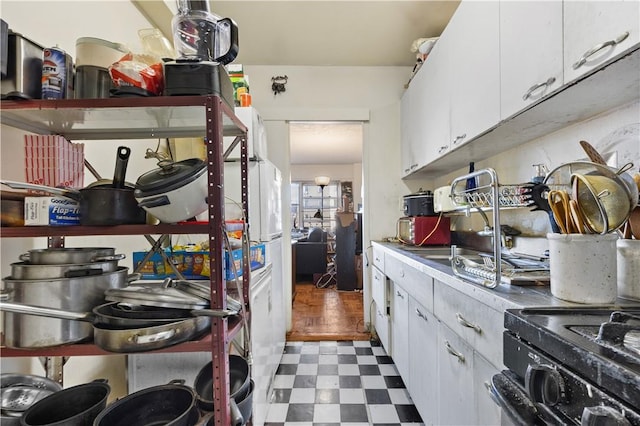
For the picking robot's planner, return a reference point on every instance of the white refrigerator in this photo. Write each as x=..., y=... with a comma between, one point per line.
x=266, y=295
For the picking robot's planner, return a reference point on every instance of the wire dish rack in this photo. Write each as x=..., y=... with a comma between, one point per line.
x=482, y=197
x=481, y=190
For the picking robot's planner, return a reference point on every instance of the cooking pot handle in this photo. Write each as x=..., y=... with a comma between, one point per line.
x=69, y=193
x=133, y=277
x=236, y=415
x=162, y=200
x=108, y=258
x=214, y=313
x=19, y=308
x=156, y=337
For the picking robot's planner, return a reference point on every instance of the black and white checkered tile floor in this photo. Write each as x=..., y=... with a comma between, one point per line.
x=339, y=383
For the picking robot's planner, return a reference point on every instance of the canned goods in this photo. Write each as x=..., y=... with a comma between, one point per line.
x=57, y=74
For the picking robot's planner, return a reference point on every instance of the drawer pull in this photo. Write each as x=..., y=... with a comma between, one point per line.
x=454, y=352
x=442, y=149
x=467, y=324
x=421, y=315
x=459, y=138
x=400, y=295
x=598, y=48
x=535, y=87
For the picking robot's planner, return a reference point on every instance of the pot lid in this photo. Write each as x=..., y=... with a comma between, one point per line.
x=170, y=176
x=421, y=193
x=165, y=295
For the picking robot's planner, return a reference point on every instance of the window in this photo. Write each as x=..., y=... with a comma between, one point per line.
x=308, y=203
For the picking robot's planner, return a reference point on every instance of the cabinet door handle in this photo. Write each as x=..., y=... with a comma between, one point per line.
x=454, y=352
x=467, y=324
x=459, y=138
x=421, y=315
x=599, y=47
x=414, y=165
x=442, y=149
x=400, y=295
x=535, y=87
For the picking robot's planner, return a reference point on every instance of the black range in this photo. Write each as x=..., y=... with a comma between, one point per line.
x=571, y=365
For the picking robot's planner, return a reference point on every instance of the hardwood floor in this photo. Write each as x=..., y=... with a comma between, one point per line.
x=327, y=314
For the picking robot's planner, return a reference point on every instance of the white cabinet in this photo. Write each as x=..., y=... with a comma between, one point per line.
x=379, y=289
x=530, y=53
x=383, y=328
x=261, y=344
x=400, y=330
x=456, y=404
x=475, y=322
x=408, y=130
x=472, y=46
x=594, y=32
x=423, y=363
x=380, y=294
x=487, y=411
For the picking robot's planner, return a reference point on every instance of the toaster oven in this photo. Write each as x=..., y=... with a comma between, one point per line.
x=424, y=230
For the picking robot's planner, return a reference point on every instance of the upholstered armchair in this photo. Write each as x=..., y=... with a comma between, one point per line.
x=311, y=255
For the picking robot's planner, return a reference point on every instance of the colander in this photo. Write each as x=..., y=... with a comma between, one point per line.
x=17, y=399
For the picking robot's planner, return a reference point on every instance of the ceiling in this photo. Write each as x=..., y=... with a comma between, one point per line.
x=325, y=142
x=322, y=33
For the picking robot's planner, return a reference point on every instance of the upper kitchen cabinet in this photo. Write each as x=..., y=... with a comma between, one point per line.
x=471, y=43
x=597, y=32
x=408, y=133
x=425, y=115
x=530, y=53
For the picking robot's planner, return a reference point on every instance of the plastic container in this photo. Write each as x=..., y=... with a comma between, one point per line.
x=628, y=260
x=583, y=267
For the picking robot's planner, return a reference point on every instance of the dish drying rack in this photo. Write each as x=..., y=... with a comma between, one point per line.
x=484, y=196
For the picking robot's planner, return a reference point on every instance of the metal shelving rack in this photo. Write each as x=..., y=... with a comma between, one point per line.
x=150, y=118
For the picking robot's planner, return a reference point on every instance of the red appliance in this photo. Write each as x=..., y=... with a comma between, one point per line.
x=425, y=230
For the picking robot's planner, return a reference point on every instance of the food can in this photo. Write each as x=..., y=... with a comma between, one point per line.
x=57, y=74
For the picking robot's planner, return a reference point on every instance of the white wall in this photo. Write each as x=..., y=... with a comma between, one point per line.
x=367, y=94
x=60, y=23
x=615, y=134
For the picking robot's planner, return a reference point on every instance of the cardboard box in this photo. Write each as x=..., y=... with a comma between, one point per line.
x=194, y=265
x=51, y=211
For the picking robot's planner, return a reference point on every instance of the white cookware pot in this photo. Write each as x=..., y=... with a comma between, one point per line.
x=174, y=192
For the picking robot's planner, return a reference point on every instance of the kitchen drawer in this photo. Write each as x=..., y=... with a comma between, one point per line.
x=383, y=329
x=378, y=257
x=380, y=289
x=417, y=283
x=475, y=322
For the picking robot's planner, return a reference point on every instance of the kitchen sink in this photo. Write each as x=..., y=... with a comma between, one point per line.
x=438, y=252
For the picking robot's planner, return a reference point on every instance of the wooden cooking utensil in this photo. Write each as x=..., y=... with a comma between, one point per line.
x=578, y=219
x=559, y=203
x=592, y=153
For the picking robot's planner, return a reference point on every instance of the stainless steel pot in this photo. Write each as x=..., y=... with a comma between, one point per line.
x=28, y=271
x=69, y=255
x=69, y=294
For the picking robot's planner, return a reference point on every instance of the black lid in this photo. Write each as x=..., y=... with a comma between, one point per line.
x=170, y=176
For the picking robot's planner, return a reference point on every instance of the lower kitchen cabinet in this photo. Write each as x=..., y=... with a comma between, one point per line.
x=487, y=411
x=383, y=325
x=400, y=330
x=456, y=404
x=423, y=361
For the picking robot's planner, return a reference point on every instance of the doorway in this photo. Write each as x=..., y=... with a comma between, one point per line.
x=322, y=310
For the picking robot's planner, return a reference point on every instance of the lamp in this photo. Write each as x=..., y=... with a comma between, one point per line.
x=322, y=181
